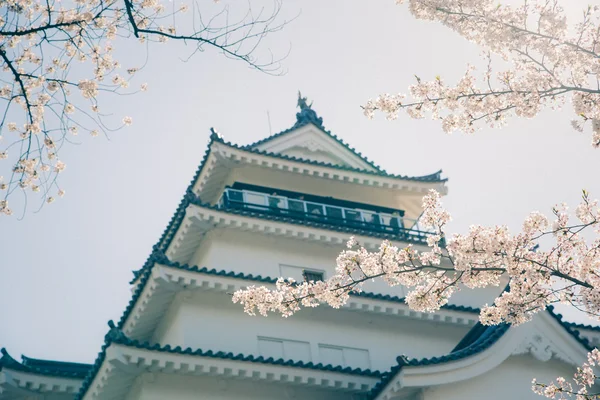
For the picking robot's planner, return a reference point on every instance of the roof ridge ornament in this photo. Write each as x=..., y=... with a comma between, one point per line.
x=306, y=114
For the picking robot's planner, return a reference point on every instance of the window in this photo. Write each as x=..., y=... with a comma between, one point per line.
x=276, y=202
x=344, y=356
x=352, y=215
x=285, y=349
x=235, y=195
x=331, y=355
x=312, y=275
x=334, y=212
x=371, y=218
x=299, y=273
x=270, y=348
x=255, y=198
x=314, y=210
x=295, y=205
x=392, y=220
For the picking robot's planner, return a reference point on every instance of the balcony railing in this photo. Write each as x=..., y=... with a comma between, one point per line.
x=394, y=224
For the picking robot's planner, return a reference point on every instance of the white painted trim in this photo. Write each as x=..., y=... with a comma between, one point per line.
x=124, y=364
x=316, y=137
x=31, y=384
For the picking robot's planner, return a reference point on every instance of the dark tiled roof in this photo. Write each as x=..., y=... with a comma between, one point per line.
x=301, y=123
x=191, y=198
x=569, y=328
x=175, y=222
x=45, y=367
x=574, y=325
x=479, y=339
x=161, y=258
x=116, y=336
x=435, y=177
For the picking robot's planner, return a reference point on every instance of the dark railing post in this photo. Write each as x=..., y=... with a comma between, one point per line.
x=226, y=199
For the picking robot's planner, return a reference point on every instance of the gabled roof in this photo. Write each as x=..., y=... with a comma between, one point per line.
x=307, y=116
x=476, y=341
x=44, y=367
x=434, y=177
x=173, y=225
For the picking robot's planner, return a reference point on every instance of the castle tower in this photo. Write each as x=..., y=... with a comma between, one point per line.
x=285, y=206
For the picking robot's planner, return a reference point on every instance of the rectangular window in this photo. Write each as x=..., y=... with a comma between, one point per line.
x=296, y=205
x=331, y=355
x=335, y=213
x=314, y=210
x=276, y=202
x=235, y=195
x=371, y=218
x=352, y=215
x=255, y=198
x=392, y=221
x=344, y=356
x=286, y=349
x=300, y=274
x=312, y=275
x=270, y=348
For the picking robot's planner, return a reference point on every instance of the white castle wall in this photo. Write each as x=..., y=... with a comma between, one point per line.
x=211, y=322
x=510, y=380
x=161, y=387
x=271, y=256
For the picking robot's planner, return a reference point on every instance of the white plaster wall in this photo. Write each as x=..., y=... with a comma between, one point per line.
x=251, y=253
x=321, y=156
x=510, y=380
x=161, y=387
x=210, y=321
x=169, y=330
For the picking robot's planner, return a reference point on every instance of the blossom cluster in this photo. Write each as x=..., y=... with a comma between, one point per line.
x=584, y=379
x=485, y=256
x=57, y=60
x=549, y=60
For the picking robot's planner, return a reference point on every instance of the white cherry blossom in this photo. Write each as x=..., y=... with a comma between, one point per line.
x=550, y=60
x=58, y=59
x=565, y=271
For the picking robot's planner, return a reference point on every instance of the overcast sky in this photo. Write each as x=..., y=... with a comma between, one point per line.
x=65, y=270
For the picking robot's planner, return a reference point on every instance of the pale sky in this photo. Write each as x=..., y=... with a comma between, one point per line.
x=65, y=270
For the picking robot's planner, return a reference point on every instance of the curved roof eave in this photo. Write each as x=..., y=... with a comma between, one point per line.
x=116, y=336
x=433, y=177
x=160, y=258
x=486, y=338
x=474, y=342
x=173, y=225
x=58, y=369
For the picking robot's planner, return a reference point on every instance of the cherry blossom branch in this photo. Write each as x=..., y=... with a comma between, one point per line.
x=482, y=258
x=548, y=61
x=583, y=379
x=48, y=100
